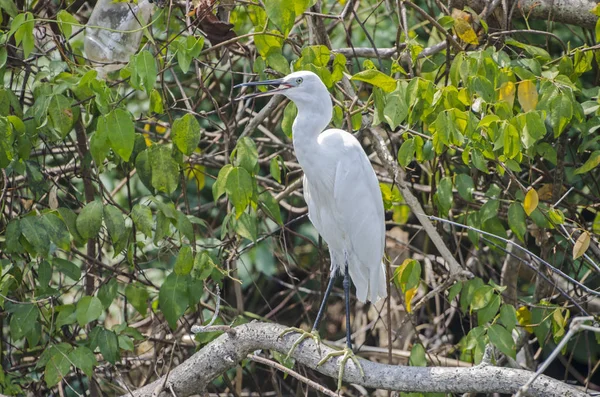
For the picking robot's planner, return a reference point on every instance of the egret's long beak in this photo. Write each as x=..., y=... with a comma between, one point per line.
x=279, y=83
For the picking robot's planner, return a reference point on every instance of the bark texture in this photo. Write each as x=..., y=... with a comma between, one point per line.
x=574, y=12
x=225, y=352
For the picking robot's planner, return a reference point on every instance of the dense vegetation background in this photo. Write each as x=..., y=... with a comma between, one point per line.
x=135, y=206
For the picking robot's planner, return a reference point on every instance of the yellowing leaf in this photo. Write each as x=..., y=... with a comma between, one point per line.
x=545, y=192
x=465, y=31
x=196, y=172
x=507, y=93
x=528, y=96
x=531, y=201
x=408, y=295
x=581, y=245
x=524, y=318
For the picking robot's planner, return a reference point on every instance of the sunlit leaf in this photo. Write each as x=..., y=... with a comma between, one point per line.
x=581, y=245
x=528, y=95
x=465, y=31
x=531, y=201
x=376, y=78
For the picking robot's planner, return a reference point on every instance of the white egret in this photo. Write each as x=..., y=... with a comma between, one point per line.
x=343, y=197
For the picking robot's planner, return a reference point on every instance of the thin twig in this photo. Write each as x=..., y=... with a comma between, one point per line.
x=294, y=374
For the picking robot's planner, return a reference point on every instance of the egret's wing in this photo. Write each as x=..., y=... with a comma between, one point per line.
x=360, y=212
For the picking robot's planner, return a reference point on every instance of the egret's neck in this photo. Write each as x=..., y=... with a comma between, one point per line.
x=313, y=117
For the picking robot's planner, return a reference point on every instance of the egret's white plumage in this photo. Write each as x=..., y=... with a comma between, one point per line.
x=340, y=186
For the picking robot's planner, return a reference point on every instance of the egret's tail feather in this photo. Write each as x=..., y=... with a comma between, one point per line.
x=377, y=283
x=371, y=284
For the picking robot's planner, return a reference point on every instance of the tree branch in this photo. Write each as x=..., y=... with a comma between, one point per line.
x=574, y=12
x=225, y=352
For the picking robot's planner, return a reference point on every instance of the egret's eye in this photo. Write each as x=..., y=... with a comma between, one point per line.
x=299, y=80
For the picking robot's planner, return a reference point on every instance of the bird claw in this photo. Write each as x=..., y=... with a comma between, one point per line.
x=347, y=354
x=314, y=335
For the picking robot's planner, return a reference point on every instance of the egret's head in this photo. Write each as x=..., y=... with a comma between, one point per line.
x=303, y=86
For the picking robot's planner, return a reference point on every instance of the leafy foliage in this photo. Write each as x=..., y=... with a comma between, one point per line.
x=129, y=194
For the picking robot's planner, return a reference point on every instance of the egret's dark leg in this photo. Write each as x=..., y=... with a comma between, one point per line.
x=324, y=302
x=346, y=353
x=347, y=298
x=314, y=334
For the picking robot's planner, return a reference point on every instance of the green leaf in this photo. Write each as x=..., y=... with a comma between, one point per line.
x=489, y=210
x=10, y=7
x=556, y=216
x=146, y=69
x=246, y=155
x=23, y=319
x=67, y=268
x=407, y=275
x=119, y=128
x=57, y=363
x=65, y=21
x=517, y=220
x=454, y=291
x=99, y=146
x=66, y=315
x=289, y=115
x=125, y=343
x=270, y=206
x=34, y=233
x=246, y=226
x=481, y=297
x=465, y=186
x=376, y=78
x=109, y=345
x=7, y=137
x=113, y=219
x=239, y=188
x=84, y=359
x=218, y=188
x=61, y=115
x=417, y=356
x=89, y=220
x=173, y=299
x=186, y=134
x=142, y=218
x=592, y=162
x=184, y=261
x=184, y=226
x=396, y=109
x=502, y=339
x=165, y=170
x=203, y=266
x=487, y=313
x=108, y=292
x=561, y=114
x=406, y=153
x=156, y=102
x=444, y=195
x=281, y=13
x=274, y=168
x=89, y=308
x=137, y=296
x=24, y=32
x=57, y=230
x=508, y=316
x=494, y=226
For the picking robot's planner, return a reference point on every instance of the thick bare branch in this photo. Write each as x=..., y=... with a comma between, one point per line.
x=574, y=12
x=225, y=352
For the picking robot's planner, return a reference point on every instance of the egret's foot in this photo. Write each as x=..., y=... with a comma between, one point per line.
x=314, y=335
x=347, y=354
